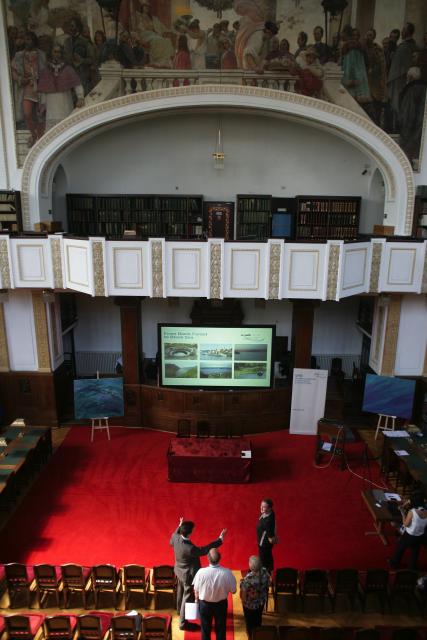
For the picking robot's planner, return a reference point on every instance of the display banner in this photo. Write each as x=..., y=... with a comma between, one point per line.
x=308, y=399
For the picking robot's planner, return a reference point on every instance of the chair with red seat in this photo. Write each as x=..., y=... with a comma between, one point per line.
x=59, y=627
x=23, y=627
x=135, y=579
x=156, y=626
x=126, y=627
x=93, y=625
x=75, y=579
x=19, y=582
x=163, y=579
x=105, y=579
x=48, y=581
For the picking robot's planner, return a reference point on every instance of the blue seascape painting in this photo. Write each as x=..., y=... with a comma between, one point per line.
x=389, y=396
x=95, y=398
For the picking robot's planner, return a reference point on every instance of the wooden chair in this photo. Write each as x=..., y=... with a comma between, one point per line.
x=48, y=581
x=23, y=627
x=332, y=633
x=136, y=579
x=75, y=579
x=376, y=582
x=403, y=587
x=285, y=582
x=221, y=430
x=19, y=582
x=346, y=584
x=203, y=429
x=59, y=627
x=93, y=626
x=315, y=584
x=105, y=579
x=184, y=428
x=126, y=627
x=265, y=632
x=410, y=633
x=156, y=626
x=163, y=579
x=367, y=634
x=295, y=633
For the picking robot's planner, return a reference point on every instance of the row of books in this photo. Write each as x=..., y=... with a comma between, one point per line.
x=8, y=217
x=329, y=206
x=254, y=204
x=255, y=217
x=328, y=232
x=325, y=218
x=157, y=203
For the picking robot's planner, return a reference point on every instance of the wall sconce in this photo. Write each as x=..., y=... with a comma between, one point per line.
x=219, y=154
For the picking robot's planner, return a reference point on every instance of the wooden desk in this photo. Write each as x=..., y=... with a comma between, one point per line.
x=380, y=515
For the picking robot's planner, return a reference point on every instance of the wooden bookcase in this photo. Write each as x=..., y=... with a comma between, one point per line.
x=327, y=217
x=179, y=217
x=254, y=214
x=420, y=213
x=10, y=211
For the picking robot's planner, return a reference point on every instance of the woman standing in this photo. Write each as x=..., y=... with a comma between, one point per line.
x=266, y=533
x=254, y=593
x=414, y=517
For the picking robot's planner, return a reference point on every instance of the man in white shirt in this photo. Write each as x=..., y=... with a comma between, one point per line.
x=211, y=588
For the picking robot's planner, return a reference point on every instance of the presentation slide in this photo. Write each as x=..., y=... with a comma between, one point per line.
x=389, y=396
x=194, y=356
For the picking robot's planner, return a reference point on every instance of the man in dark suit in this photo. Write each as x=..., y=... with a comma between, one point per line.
x=187, y=563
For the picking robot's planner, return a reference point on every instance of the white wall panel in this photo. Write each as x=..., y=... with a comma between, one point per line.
x=412, y=338
x=245, y=270
x=78, y=266
x=354, y=269
x=303, y=271
x=186, y=269
x=31, y=263
x=128, y=270
x=20, y=331
x=402, y=266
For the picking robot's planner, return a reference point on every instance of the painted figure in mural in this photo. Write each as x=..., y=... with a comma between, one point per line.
x=38, y=20
x=324, y=52
x=197, y=45
x=213, y=47
x=155, y=36
x=99, y=40
x=80, y=53
x=60, y=89
x=376, y=70
x=250, y=34
x=401, y=62
x=182, y=59
x=228, y=57
x=393, y=39
x=125, y=53
x=411, y=112
x=27, y=66
x=310, y=74
x=302, y=45
x=355, y=78
x=282, y=60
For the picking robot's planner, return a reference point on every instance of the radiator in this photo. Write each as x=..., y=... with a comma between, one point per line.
x=89, y=362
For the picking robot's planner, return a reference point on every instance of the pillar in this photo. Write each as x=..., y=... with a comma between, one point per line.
x=130, y=318
x=302, y=332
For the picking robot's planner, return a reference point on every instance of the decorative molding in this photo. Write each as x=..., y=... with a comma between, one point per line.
x=197, y=271
x=58, y=278
x=283, y=97
x=98, y=268
x=333, y=266
x=249, y=286
x=157, y=268
x=4, y=264
x=377, y=249
x=215, y=289
x=274, y=271
x=391, y=333
x=41, y=331
x=4, y=352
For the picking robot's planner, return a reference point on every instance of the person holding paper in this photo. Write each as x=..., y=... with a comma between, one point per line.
x=414, y=517
x=266, y=533
x=187, y=563
x=211, y=588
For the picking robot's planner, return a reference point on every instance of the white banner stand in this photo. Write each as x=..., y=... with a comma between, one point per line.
x=308, y=400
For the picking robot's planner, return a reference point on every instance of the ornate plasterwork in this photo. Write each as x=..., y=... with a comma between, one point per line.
x=333, y=266
x=215, y=271
x=374, y=280
x=391, y=333
x=4, y=352
x=157, y=268
x=41, y=330
x=55, y=247
x=281, y=97
x=4, y=264
x=274, y=272
x=98, y=268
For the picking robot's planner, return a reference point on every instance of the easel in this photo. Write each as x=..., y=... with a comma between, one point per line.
x=383, y=423
x=99, y=423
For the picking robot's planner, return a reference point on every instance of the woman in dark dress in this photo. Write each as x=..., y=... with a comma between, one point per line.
x=266, y=533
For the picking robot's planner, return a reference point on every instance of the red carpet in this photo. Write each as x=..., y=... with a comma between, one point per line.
x=111, y=502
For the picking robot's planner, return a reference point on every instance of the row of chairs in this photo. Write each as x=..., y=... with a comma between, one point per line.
x=271, y=632
x=62, y=583
x=351, y=584
x=91, y=626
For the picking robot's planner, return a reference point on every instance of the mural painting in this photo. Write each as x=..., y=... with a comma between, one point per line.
x=57, y=47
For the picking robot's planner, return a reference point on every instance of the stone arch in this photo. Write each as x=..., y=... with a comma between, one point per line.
x=44, y=157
